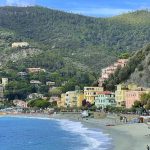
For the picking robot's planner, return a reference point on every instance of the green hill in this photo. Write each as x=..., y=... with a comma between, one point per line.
x=136, y=71
x=77, y=37
x=70, y=47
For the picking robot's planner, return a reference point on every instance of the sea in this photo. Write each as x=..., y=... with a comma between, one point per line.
x=31, y=133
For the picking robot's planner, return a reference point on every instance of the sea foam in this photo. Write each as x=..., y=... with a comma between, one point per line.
x=95, y=140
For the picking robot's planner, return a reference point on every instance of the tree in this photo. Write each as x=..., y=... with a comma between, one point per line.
x=145, y=100
x=137, y=104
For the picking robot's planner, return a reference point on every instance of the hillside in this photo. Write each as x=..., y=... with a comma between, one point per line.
x=136, y=71
x=141, y=74
x=70, y=47
x=78, y=38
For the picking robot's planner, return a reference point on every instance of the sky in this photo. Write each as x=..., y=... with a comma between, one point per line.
x=96, y=8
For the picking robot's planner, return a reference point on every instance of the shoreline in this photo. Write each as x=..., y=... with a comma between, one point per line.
x=126, y=136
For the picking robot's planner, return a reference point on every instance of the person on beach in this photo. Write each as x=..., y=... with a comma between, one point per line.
x=148, y=147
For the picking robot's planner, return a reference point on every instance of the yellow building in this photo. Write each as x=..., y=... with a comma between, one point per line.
x=91, y=92
x=71, y=99
x=61, y=102
x=120, y=93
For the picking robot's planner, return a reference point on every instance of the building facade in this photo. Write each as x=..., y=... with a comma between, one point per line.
x=106, y=72
x=120, y=93
x=20, y=103
x=71, y=99
x=91, y=92
x=19, y=44
x=1, y=92
x=105, y=99
x=4, y=81
x=134, y=95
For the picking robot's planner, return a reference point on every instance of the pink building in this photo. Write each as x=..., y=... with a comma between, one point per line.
x=132, y=96
x=106, y=72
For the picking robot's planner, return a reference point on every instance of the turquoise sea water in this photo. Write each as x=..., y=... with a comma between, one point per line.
x=22, y=133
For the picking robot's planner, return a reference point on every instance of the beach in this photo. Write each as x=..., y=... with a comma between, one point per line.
x=123, y=137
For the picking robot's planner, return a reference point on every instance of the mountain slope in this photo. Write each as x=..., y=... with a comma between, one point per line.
x=136, y=71
x=91, y=42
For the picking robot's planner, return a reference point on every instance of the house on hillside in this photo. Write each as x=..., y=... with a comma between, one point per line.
x=33, y=96
x=35, y=70
x=106, y=72
x=19, y=44
x=20, y=103
x=1, y=92
x=35, y=82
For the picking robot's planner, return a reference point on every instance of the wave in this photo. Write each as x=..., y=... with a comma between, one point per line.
x=95, y=140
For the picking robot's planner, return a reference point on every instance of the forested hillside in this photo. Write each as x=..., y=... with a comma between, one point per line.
x=91, y=42
x=136, y=71
x=70, y=47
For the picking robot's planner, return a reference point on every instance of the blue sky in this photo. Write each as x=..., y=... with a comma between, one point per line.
x=97, y=8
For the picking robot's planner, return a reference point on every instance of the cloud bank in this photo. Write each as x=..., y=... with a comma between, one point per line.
x=102, y=11
x=22, y=3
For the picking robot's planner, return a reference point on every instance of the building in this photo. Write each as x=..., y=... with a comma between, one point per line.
x=74, y=98
x=71, y=99
x=50, y=83
x=61, y=102
x=91, y=92
x=35, y=82
x=106, y=72
x=4, y=81
x=19, y=44
x=104, y=99
x=134, y=95
x=22, y=73
x=20, y=103
x=35, y=70
x=54, y=99
x=33, y=96
x=1, y=92
x=120, y=93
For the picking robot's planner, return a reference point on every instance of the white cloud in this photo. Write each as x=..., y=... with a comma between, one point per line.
x=20, y=2
x=101, y=11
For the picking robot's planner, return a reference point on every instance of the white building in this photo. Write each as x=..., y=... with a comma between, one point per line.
x=19, y=44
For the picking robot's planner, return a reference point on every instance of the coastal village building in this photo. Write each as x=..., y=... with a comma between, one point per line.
x=35, y=82
x=22, y=73
x=54, y=99
x=71, y=99
x=61, y=102
x=105, y=99
x=35, y=70
x=4, y=81
x=20, y=103
x=134, y=95
x=1, y=92
x=33, y=96
x=106, y=72
x=50, y=83
x=91, y=92
x=19, y=44
x=120, y=93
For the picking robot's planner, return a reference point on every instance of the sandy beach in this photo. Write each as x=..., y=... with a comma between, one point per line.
x=124, y=137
